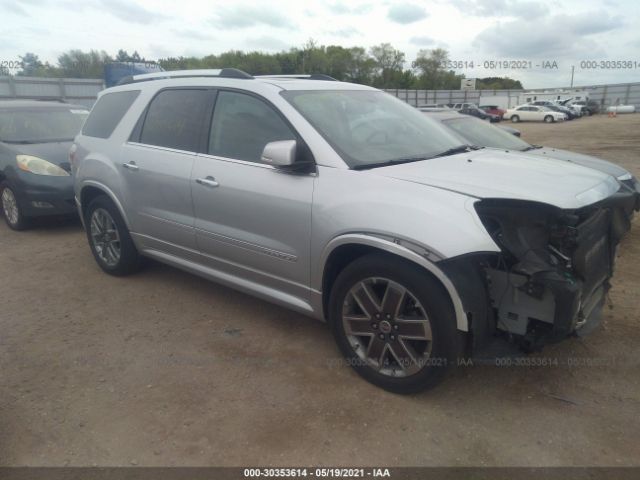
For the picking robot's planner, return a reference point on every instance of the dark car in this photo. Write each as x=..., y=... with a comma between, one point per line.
x=35, y=175
x=481, y=114
x=493, y=110
x=481, y=134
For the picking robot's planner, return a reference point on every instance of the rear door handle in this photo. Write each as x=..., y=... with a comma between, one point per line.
x=208, y=181
x=131, y=166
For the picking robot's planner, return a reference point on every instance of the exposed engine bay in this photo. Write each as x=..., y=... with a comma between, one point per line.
x=551, y=277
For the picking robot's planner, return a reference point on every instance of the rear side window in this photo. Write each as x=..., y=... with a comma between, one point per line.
x=242, y=125
x=174, y=119
x=107, y=113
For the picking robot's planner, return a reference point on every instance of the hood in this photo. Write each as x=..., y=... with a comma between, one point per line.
x=580, y=159
x=54, y=152
x=491, y=173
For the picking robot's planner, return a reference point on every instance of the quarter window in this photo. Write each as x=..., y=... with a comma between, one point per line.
x=242, y=125
x=107, y=113
x=174, y=119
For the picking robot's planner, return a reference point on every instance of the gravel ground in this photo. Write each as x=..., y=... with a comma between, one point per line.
x=163, y=368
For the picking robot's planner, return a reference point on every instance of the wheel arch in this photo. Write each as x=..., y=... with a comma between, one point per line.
x=344, y=249
x=91, y=190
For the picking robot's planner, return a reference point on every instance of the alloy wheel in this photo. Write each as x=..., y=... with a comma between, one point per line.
x=10, y=206
x=105, y=237
x=387, y=327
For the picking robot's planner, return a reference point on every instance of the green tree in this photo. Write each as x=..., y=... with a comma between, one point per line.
x=79, y=64
x=123, y=56
x=361, y=68
x=498, y=83
x=33, y=67
x=429, y=66
x=389, y=65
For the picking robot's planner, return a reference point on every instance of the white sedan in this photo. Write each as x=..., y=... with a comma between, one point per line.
x=533, y=113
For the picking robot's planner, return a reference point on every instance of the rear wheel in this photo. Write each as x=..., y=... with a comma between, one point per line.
x=515, y=118
x=109, y=238
x=548, y=119
x=393, y=323
x=11, y=208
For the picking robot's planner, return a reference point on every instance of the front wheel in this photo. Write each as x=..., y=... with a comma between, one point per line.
x=515, y=119
x=393, y=323
x=109, y=238
x=548, y=119
x=11, y=208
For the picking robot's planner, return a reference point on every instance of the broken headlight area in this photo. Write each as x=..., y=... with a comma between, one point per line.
x=631, y=186
x=552, y=275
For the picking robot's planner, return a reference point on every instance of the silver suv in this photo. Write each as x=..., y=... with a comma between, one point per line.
x=345, y=204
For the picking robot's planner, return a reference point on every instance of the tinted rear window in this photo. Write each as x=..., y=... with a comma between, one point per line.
x=174, y=119
x=108, y=112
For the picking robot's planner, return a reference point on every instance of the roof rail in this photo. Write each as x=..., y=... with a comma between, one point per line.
x=219, y=73
x=313, y=76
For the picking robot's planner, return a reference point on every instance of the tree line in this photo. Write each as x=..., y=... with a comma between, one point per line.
x=381, y=66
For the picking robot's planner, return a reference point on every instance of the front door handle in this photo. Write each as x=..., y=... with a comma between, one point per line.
x=131, y=166
x=208, y=181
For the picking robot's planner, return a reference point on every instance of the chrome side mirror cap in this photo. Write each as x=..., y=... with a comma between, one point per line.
x=279, y=154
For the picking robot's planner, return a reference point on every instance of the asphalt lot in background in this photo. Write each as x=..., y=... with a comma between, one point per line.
x=163, y=368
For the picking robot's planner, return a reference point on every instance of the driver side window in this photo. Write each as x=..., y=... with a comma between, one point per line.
x=242, y=125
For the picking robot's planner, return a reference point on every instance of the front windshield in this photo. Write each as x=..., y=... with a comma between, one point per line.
x=483, y=134
x=371, y=127
x=40, y=125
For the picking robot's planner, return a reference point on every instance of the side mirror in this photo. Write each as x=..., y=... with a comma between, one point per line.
x=279, y=154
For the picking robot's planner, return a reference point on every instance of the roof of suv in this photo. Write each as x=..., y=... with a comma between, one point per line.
x=235, y=78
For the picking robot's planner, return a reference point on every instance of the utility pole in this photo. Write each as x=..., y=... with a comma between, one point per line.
x=572, y=69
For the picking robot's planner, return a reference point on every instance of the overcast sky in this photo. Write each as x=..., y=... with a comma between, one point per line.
x=471, y=30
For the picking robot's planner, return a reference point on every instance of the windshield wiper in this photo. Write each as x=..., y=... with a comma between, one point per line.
x=416, y=158
x=386, y=163
x=458, y=149
x=531, y=147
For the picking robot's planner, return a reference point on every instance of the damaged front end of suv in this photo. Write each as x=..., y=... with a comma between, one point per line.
x=551, y=276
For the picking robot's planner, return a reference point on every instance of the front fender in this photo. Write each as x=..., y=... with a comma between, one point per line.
x=406, y=251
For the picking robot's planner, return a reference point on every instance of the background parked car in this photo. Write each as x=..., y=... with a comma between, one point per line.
x=481, y=134
x=481, y=114
x=493, y=110
x=528, y=113
x=569, y=112
x=35, y=175
x=430, y=107
x=460, y=106
x=586, y=108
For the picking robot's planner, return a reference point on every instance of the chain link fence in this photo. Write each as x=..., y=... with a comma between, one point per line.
x=84, y=91
x=604, y=95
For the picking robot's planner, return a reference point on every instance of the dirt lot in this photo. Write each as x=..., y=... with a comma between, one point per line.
x=163, y=368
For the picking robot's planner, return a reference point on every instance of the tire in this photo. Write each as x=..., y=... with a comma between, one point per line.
x=361, y=333
x=109, y=238
x=548, y=119
x=515, y=118
x=11, y=208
